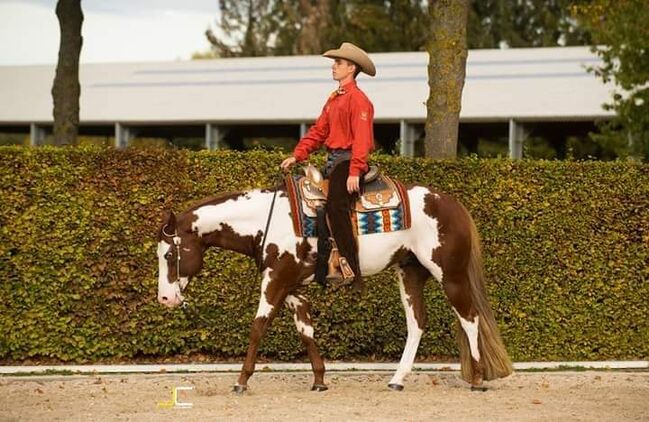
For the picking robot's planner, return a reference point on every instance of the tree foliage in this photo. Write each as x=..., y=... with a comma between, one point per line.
x=530, y=23
x=288, y=27
x=621, y=35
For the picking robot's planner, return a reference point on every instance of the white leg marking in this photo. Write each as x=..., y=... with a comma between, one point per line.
x=265, y=308
x=293, y=302
x=414, y=335
x=471, y=330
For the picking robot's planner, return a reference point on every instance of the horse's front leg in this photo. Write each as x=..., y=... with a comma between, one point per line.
x=301, y=307
x=270, y=301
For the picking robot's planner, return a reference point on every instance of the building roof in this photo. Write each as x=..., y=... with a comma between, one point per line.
x=526, y=84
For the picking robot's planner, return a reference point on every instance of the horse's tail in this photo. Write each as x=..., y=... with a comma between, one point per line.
x=493, y=354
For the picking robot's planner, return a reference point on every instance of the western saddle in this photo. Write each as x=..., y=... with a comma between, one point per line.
x=379, y=193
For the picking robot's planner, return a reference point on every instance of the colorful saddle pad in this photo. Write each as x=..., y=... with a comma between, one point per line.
x=384, y=207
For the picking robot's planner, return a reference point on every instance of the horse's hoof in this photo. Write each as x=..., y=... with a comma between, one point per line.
x=396, y=387
x=239, y=389
x=478, y=388
x=319, y=387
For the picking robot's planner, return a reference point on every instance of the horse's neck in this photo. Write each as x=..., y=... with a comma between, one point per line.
x=235, y=223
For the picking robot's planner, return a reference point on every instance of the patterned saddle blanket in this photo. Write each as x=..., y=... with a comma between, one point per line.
x=383, y=207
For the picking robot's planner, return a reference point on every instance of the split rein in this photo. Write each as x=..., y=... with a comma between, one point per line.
x=278, y=179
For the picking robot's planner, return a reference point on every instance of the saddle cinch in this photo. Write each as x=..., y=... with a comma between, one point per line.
x=383, y=206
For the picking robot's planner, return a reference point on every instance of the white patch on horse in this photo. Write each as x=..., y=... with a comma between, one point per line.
x=293, y=302
x=265, y=308
x=166, y=288
x=376, y=250
x=471, y=330
x=183, y=282
x=422, y=223
x=247, y=215
x=414, y=336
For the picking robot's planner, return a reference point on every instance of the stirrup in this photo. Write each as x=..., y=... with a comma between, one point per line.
x=339, y=268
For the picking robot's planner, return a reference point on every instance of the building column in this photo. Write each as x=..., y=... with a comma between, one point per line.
x=36, y=135
x=123, y=136
x=407, y=135
x=517, y=136
x=303, y=129
x=212, y=137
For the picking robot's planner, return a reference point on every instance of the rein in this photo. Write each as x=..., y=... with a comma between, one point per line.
x=260, y=262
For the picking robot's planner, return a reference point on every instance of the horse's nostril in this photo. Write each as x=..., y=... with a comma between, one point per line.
x=164, y=298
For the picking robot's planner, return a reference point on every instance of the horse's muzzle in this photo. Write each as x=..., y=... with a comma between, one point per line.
x=170, y=302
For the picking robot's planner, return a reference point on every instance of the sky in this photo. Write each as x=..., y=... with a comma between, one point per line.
x=113, y=30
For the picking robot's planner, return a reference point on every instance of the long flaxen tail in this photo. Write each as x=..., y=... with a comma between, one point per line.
x=493, y=355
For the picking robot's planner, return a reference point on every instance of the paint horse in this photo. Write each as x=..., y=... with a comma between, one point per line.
x=442, y=242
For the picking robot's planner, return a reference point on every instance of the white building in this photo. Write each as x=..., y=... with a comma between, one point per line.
x=512, y=93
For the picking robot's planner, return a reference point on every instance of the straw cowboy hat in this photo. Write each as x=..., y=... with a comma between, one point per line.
x=354, y=54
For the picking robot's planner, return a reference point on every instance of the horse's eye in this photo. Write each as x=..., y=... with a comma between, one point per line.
x=168, y=255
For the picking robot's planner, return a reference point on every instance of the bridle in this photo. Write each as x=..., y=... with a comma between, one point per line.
x=176, y=240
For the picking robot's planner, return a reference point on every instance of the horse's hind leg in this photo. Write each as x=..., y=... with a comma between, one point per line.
x=456, y=285
x=412, y=277
x=458, y=291
x=301, y=307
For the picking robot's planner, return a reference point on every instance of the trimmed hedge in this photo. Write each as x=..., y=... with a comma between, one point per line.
x=566, y=248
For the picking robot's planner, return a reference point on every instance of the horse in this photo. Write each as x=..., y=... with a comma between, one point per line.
x=442, y=243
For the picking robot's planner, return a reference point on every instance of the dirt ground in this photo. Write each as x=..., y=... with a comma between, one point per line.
x=524, y=396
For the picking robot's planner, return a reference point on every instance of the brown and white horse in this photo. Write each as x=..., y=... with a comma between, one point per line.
x=442, y=242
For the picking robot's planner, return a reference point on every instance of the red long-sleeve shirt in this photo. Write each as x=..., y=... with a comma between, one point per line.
x=346, y=122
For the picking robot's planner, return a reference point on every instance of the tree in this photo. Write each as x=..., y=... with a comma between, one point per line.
x=530, y=23
x=244, y=24
x=300, y=26
x=289, y=27
x=66, y=88
x=447, y=49
x=621, y=35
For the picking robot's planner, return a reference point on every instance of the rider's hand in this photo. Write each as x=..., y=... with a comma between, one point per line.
x=286, y=164
x=353, y=184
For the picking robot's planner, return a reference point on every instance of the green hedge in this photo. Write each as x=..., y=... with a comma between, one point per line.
x=566, y=248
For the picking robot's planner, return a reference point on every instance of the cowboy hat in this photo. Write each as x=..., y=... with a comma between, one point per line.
x=349, y=51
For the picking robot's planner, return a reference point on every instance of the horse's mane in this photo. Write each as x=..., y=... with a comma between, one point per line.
x=214, y=199
x=222, y=197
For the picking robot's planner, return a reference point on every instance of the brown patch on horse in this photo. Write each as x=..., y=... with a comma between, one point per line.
x=414, y=278
x=453, y=257
x=287, y=268
x=229, y=239
x=191, y=246
x=303, y=250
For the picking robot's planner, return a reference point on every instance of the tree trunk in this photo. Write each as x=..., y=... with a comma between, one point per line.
x=447, y=49
x=66, y=88
x=314, y=22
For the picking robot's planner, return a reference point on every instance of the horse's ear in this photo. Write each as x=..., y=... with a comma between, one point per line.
x=169, y=219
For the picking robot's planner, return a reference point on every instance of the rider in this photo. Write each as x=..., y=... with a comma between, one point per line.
x=345, y=128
